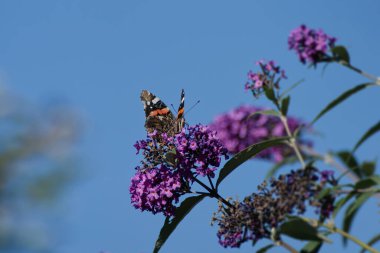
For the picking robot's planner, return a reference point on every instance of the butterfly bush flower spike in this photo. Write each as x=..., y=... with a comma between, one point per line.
x=170, y=164
x=267, y=78
x=310, y=45
x=156, y=190
x=258, y=214
x=238, y=129
x=200, y=150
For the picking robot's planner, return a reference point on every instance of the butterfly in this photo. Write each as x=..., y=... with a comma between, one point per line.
x=158, y=115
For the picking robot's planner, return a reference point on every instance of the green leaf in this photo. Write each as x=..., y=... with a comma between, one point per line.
x=374, y=129
x=246, y=154
x=312, y=247
x=323, y=193
x=265, y=112
x=340, y=99
x=299, y=229
x=340, y=203
x=291, y=88
x=289, y=160
x=350, y=161
x=285, y=105
x=352, y=210
x=341, y=53
x=171, y=223
x=371, y=242
x=368, y=168
x=361, y=198
x=265, y=249
x=367, y=182
x=269, y=93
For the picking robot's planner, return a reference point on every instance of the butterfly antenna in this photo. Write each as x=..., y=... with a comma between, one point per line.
x=187, y=111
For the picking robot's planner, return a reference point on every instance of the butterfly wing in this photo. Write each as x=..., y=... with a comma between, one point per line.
x=158, y=116
x=180, y=121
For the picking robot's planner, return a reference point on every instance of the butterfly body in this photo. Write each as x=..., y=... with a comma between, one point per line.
x=159, y=117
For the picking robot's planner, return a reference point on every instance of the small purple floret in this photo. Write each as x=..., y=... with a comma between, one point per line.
x=268, y=76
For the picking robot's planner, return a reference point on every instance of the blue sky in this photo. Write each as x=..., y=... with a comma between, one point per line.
x=99, y=55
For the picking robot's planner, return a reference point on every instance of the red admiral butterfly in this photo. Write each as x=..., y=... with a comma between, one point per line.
x=158, y=115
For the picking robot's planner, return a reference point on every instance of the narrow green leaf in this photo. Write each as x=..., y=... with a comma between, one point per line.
x=299, y=229
x=265, y=112
x=341, y=53
x=340, y=99
x=246, y=154
x=312, y=247
x=367, y=183
x=376, y=178
x=285, y=105
x=371, y=242
x=340, y=203
x=361, y=198
x=350, y=161
x=171, y=223
x=269, y=93
x=368, y=168
x=265, y=249
x=324, y=193
x=289, y=160
x=291, y=88
x=352, y=210
x=374, y=129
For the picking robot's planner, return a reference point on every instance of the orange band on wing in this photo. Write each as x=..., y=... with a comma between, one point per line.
x=180, y=112
x=159, y=112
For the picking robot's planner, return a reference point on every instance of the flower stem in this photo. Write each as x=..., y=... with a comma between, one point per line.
x=352, y=238
x=211, y=183
x=213, y=193
x=334, y=229
x=293, y=142
x=329, y=160
x=361, y=72
x=287, y=246
x=371, y=189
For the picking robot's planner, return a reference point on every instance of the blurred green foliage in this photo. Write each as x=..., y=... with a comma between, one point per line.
x=37, y=161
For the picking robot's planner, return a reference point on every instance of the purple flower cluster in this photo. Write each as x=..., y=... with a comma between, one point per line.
x=310, y=45
x=258, y=214
x=199, y=149
x=156, y=190
x=170, y=164
x=269, y=77
x=238, y=129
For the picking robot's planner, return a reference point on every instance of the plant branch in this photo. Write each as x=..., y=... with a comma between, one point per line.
x=361, y=72
x=211, y=183
x=371, y=189
x=292, y=140
x=213, y=193
x=287, y=246
x=351, y=237
x=334, y=229
x=329, y=160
